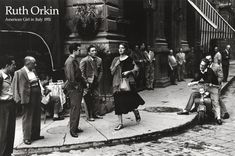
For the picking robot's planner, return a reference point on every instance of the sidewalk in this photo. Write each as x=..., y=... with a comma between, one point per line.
x=158, y=117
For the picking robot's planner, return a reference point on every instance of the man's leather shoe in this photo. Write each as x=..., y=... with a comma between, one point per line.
x=74, y=134
x=219, y=121
x=38, y=138
x=226, y=116
x=79, y=130
x=193, y=110
x=27, y=142
x=183, y=113
x=91, y=119
x=98, y=117
x=58, y=118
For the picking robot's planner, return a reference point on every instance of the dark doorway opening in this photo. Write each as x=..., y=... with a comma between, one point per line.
x=134, y=12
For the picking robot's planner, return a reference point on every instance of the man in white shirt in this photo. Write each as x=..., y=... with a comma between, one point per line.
x=173, y=67
x=180, y=58
x=27, y=91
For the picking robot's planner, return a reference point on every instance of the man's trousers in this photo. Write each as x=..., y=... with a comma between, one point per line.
x=75, y=97
x=7, y=127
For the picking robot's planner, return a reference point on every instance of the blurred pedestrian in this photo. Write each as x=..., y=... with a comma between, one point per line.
x=180, y=58
x=225, y=62
x=126, y=99
x=138, y=57
x=27, y=92
x=217, y=56
x=7, y=106
x=190, y=63
x=149, y=68
x=92, y=71
x=173, y=67
x=74, y=87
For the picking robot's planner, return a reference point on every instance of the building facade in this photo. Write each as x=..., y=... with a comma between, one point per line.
x=163, y=24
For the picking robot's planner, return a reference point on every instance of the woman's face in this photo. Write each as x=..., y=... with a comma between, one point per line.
x=121, y=49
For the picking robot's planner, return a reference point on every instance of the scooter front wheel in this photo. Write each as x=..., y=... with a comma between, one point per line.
x=201, y=117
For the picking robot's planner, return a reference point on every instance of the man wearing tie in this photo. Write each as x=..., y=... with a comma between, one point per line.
x=27, y=91
x=225, y=62
x=92, y=70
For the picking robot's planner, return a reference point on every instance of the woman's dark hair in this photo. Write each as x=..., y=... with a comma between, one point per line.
x=6, y=60
x=125, y=46
x=74, y=46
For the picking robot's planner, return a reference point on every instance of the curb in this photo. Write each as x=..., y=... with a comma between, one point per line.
x=223, y=89
x=137, y=138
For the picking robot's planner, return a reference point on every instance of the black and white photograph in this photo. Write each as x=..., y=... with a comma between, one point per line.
x=117, y=77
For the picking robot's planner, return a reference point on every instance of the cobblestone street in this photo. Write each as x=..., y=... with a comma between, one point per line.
x=209, y=139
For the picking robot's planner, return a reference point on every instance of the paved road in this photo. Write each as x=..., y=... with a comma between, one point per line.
x=209, y=139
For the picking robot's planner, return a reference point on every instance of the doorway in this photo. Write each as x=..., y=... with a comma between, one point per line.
x=133, y=11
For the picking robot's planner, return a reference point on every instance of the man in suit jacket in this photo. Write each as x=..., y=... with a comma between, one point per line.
x=27, y=91
x=74, y=87
x=7, y=106
x=92, y=71
x=225, y=62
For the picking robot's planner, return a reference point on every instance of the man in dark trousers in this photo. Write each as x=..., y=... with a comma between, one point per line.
x=225, y=62
x=7, y=106
x=27, y=91
x=208, y=76
x=92, y=71
x=74, y=87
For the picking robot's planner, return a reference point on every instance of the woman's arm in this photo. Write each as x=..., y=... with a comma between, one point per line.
x=114, y=65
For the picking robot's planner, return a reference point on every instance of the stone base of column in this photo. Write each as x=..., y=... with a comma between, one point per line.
x=161, y=63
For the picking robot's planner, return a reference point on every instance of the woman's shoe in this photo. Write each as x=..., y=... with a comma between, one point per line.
x=27, y=142
x=137, y=116
x=120, y=126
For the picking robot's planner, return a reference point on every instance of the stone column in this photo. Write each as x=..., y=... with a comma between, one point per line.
x=160, y=45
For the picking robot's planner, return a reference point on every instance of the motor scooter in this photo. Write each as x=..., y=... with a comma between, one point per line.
x=203, y=103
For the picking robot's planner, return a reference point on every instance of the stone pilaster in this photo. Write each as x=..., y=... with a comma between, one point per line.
x=160, y=45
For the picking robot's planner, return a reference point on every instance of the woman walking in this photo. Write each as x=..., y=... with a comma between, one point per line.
x=126, y=99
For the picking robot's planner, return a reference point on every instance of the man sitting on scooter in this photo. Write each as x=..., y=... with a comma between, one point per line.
x=208, y=76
